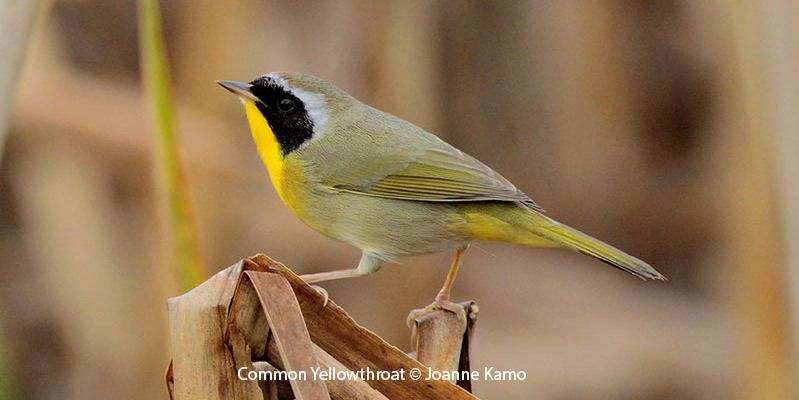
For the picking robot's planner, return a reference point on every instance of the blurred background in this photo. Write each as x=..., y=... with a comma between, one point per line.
x=668, y=128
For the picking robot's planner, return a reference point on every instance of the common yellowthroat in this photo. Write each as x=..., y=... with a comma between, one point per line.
x=388, y=187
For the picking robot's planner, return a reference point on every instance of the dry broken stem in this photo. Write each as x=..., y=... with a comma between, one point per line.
x=441, y=334
x=243, y=319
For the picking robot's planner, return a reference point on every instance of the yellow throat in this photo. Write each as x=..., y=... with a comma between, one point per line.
x=267, y=145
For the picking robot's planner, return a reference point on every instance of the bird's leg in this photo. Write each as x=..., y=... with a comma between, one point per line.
x=443, y=294
x=368, y=265
x=330, y=276
x=333, y=275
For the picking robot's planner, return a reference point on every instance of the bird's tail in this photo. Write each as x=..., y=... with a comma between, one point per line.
x=529, y=227
x=572, y=238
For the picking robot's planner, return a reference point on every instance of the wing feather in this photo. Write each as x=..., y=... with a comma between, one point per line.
x=441, y=173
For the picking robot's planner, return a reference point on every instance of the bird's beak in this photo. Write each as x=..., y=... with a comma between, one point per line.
x=239, y=89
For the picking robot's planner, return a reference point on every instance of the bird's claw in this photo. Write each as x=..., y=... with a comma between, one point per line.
x=323, y=292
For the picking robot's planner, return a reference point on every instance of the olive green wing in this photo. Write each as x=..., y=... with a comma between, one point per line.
x=438, y=173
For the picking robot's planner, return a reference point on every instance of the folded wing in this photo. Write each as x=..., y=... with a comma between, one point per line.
x=441, y=173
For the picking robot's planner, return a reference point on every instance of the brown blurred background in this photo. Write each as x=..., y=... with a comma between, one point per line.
x=668, y=128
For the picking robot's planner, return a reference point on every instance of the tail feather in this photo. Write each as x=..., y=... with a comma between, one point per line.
x=517, y=224
x=576, y=240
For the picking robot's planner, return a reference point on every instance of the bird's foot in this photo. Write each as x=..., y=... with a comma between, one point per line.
x=437, y=305
x=323, y=292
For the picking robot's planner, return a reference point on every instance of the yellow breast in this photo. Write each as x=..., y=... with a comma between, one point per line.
x=267, y=146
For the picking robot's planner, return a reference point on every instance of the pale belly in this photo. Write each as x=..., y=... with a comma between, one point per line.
x=386, y=227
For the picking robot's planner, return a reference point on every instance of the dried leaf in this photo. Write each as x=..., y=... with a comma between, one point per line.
x=356, y=347
x=209, y=342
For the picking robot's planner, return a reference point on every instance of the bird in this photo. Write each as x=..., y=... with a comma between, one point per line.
x=388, y=187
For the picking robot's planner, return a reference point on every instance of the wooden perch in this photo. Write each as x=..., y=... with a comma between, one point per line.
x=257, y=315
x=284, y=318
x=441, y=334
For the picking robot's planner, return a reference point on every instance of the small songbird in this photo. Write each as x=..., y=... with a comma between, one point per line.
x=388, y=187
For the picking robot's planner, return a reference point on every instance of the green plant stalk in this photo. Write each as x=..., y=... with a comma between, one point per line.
x=155, y=76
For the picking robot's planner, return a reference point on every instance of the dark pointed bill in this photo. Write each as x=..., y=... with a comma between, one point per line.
x=238, y=88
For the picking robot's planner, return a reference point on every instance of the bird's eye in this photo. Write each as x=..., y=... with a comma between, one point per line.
x=285, y=105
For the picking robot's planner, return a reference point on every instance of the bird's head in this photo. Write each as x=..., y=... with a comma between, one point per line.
x=293, y=108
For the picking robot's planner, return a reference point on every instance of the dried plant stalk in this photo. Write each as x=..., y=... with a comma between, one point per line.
x=254, y=329
x=350, y=389
x=202, y=363
x=240, y=319
x=356, y=347
x=465, y=364
x=286, y=325
x=441, y=333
